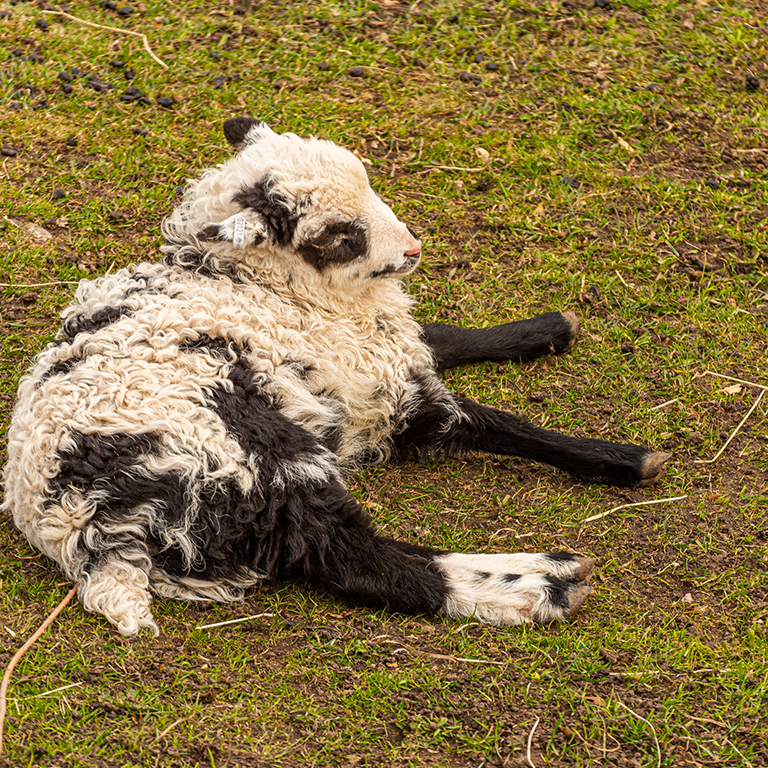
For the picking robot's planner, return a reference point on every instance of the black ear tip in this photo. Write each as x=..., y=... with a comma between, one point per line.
x=237, y=130
x=211, y=233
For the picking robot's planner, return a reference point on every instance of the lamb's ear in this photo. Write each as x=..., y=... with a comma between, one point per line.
x=244, y=229
x=242, y=131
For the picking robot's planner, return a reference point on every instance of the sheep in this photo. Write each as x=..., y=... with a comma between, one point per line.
x=189, y=431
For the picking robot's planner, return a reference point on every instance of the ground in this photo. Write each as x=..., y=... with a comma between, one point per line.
x=608, y=158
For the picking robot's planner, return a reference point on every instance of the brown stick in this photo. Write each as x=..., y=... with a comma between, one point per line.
x=113, y=29
x=24, y=648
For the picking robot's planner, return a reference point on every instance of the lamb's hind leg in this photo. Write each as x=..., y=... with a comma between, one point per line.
x=512, y=589
x=498, y=589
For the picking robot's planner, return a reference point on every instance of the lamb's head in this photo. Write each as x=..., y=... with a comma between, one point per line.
x=296, y=209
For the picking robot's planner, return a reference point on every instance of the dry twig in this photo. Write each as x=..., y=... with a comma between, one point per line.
x=167, y=730
x=112, y=29
x=732, y=378
x=39, y=285
x=441, y=656
x=236, y=621
x=24, y=648
x=735, y=431
x=634, y=504
x=650, y=725
x=530, y=742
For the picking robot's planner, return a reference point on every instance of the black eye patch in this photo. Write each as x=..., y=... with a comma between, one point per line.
x=336, y=243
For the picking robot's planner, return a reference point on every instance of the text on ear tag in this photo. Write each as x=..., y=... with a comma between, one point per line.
x=238, y=240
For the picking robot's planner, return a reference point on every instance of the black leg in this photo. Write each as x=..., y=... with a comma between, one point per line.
x=519, y=341
x=331, y=541
x=343, y=553
x=437, y=427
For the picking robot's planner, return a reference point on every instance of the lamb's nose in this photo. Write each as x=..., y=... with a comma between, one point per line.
x=414, y=251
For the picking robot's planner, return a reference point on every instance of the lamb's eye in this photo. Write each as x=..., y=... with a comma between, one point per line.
x=336, y=243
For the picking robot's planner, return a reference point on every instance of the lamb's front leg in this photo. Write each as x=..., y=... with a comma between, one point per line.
x=453, y=424
x=519, y=341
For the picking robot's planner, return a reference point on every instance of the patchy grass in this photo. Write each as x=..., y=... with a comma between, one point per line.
x=609, y=161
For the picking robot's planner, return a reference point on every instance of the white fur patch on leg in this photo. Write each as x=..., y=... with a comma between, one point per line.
x=120, y=591
x=562, y=565
x=492, y=589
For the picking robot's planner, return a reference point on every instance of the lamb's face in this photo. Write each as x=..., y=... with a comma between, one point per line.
x=307, y=202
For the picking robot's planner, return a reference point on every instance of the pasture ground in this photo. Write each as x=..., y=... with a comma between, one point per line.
x=610, y=160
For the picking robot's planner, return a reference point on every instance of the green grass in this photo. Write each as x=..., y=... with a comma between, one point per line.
x=643, y=106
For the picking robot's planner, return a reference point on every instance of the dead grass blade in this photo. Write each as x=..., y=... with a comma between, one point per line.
x=735, y=431
x=530, y=742
x=634, y=504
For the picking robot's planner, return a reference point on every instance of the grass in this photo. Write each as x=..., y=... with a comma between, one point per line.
x=659, y=245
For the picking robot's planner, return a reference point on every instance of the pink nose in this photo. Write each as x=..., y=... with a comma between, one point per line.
x=414, y=251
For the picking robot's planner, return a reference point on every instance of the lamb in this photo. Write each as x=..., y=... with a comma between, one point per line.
x=188, y=432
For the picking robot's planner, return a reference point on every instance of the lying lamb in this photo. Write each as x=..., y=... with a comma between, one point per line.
x=188, y=432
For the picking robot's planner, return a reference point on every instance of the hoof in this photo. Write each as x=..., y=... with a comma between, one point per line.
x=653, y=468
x=565, y=340
x=570, y=316
x=576, y=598
x=584, y=571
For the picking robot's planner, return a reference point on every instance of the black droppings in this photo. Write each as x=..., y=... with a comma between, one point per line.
x=125, y=11
x=712, y=183
x=117, y=63
x=491, y=66
x=469, y=77
x=64, y=76
x=58, y=194
x=165, y=101
x=323, y=66
x=71, y=140
x=129, y=73
x=41, y=24
x=133, y=94
x=140, y=131
x=751, y=83
x=569, y=181
x=356, y=71
x=7, y=151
